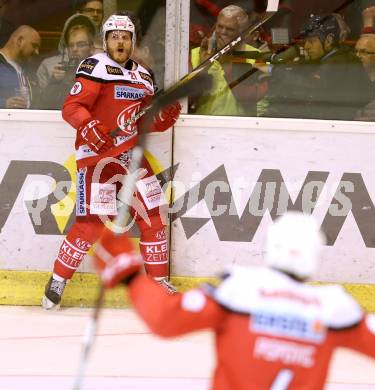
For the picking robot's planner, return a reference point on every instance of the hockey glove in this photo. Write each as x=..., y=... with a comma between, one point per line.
x=115, y=259
x=96, y=135
x=167, y=117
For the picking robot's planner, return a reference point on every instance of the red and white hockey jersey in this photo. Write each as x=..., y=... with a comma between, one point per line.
x=272, y=332
x=106, y=91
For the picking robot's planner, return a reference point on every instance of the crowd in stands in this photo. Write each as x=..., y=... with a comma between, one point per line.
x=318, y=65
x=47, y=85
x=323, y=72
x=23, y=86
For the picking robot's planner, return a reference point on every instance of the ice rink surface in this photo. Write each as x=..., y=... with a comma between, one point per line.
x=41, y=350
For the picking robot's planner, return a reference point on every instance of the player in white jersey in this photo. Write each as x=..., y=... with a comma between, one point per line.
x=272, y=330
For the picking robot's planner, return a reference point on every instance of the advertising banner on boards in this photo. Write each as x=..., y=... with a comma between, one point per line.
x=38, y=189
x=229, y=184
x=233, y=180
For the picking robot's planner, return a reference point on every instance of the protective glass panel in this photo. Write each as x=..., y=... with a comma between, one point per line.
x=312, y=59
x=42, y=45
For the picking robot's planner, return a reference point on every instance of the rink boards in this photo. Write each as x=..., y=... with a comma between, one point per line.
x=232, y=177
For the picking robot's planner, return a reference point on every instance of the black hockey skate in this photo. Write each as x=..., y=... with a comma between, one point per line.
x=53, y=293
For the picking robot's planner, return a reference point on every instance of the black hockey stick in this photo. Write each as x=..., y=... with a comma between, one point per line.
x=88, y=340
x=186, y=83
x=117, y=226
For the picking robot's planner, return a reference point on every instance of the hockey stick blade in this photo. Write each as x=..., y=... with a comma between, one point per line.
x=186, y=87
x=191, y=87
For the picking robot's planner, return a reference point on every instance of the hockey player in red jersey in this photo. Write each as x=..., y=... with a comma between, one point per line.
x=272, y=330
x=109, y=89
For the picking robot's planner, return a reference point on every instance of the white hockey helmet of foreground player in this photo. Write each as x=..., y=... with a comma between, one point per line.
x=293, y=244
x=118, y=23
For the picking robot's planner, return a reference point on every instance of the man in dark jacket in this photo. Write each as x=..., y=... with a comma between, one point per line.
x=15, y=90
x=56, y=74
x=326, y=83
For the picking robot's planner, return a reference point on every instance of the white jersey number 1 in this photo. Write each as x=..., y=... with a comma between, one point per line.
x=282, y=380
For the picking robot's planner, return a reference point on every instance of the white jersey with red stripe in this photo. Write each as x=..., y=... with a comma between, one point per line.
x=262, y=293
x=272, y=332
x=111, y=93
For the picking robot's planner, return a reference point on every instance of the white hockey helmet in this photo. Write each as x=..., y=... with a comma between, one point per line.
x=119, y=23
x=293, y=244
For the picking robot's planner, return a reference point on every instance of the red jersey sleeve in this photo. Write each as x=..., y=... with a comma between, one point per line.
x=79, y=104
x=173, y=315
x=360, y=337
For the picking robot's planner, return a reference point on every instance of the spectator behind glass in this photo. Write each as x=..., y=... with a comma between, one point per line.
x=93, y=9
x=365, y=50
x=221, y=99
x=15, y=90
x=51, y=69
x=203, y=14
x=6, y=28
x=80, y=45
x=327, y=83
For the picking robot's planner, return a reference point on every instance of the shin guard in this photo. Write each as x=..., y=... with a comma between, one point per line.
x=74, y=248
x=154, y=249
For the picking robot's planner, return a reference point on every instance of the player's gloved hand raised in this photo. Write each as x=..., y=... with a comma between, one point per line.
x=167, y=117
x=115, y=259
x=96, y=135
